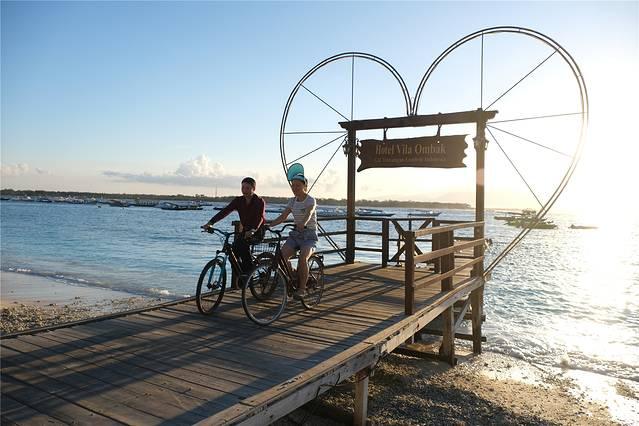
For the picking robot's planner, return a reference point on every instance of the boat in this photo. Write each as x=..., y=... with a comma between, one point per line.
x=328, y=212
x=429, y=213
x=372, y=212
x=166, y=205
x=139, y=202
x=531, y=222
x=277, y=209
x=119, y=203
x=506, y=215
x=525, y=213
x=527, y=218
x=583, y=227
x=542, y=224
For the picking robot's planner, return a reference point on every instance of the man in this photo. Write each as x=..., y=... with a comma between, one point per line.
x=251, y=208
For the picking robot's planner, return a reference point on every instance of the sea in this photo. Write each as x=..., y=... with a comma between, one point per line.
x=565, y=298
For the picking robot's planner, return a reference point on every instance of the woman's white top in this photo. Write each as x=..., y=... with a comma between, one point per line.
x=301, y=208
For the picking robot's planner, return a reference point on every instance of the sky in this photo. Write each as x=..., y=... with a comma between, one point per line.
x=188, y=97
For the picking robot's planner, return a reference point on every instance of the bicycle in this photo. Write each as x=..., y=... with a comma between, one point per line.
x=272, y=282
x=212, y=282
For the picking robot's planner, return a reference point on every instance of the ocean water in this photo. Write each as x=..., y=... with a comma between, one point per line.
x=565, y=298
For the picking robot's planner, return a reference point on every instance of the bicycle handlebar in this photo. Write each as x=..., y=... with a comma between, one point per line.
x=279, y=231
x=211, y=230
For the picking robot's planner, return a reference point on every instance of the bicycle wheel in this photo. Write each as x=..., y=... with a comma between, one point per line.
x=264, y=295
x=260, y=288
x=315, y=283
x=211, y=286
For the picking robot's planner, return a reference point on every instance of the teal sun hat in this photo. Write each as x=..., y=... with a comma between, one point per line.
x=295, y=170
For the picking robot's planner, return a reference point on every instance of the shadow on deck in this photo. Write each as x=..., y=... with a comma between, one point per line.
x=171, y=365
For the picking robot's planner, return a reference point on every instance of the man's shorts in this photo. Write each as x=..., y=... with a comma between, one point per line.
x=298, y=240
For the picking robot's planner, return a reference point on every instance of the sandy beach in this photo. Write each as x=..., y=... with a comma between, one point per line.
x=486, y=389
x=31, y=301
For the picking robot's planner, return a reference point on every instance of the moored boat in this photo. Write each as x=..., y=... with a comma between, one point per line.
x=166, y=205
x=372, y=212
x=328, y=212
x=119, y=203
x=428, y=213
x=583, y=227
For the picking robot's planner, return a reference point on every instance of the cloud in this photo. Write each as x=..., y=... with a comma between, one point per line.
x=277, y=181
x=200, y=167
x=20, y=169
x=200, y=171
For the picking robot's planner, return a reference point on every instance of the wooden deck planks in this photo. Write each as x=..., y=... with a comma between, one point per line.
x=125, y=398
x=175, y=365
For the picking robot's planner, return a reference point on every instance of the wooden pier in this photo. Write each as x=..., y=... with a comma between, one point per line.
x=172, y=365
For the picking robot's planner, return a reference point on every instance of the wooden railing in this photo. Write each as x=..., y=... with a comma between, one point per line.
x=445, y=246
x=387, y=238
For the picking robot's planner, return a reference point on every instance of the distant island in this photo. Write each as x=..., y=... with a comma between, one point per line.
x=228, y=198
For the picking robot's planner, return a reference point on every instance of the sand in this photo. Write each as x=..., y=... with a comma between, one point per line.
x=31, y=301
x=485, y=389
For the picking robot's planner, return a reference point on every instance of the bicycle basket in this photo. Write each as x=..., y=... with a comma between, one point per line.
x=264, y=246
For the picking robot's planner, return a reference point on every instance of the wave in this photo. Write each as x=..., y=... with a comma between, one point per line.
x=69, y=279
x=607, y=368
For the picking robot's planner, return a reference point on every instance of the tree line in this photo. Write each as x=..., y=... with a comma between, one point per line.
x=228, y=198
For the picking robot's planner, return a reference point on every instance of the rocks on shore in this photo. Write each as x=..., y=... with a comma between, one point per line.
x=411, y=391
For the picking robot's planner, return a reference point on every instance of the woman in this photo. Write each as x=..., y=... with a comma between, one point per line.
x=304, y=236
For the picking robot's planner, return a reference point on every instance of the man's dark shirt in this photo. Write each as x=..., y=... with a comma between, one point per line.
x=251, y=215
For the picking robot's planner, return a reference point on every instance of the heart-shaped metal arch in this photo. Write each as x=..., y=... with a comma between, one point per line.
x=345, y=55
x=583, y=94
x=412, y=106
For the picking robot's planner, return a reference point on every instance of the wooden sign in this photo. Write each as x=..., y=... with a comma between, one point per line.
x=429, y=151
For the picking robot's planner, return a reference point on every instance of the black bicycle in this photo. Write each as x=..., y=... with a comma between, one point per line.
x=212, y=282
x=271, y=283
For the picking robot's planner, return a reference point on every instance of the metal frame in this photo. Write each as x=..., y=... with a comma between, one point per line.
x=345, y=55
x=583, y=93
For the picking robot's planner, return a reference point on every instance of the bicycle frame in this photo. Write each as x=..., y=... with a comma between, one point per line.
x=272, y=282
x=282, y=263
x=226, y=252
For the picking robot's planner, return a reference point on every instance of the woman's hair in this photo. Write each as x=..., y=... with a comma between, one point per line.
x=250, y=181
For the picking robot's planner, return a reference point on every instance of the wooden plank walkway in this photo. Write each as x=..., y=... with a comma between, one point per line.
x=172, y=365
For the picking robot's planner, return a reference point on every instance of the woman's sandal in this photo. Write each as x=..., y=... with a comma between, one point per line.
x=300, y=294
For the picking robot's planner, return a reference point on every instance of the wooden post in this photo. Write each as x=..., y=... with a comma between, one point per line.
x=409, y=273
x=477, y=296
x=436, y=245
x=448, y=260
x=447, y=350
x=480, y=150
x=361, y=397
x=350, y=197
x=385, y=242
